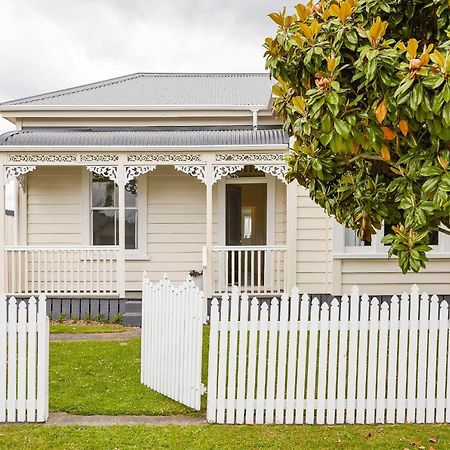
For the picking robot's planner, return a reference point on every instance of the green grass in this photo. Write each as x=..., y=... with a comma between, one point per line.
x=225, y=437
x=83, y=327
x=103, y=377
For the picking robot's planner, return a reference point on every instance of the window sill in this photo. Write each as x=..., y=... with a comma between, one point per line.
x=362, y=255
x=136, y=256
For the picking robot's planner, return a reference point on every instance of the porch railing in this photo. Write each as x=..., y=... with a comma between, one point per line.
x=254, y=269
x=61, y=271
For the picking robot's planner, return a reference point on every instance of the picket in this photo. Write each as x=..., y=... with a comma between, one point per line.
x=332, y=363
x=232, y=357
x=392, y=360
x=353, y=355
x=442, y=363
x=362, y=360
x=337, y=362
x=343, y=356
x=171, y=344
x=251, y=368
x=242, y=360
x=272, y=357
x=301, y=363
x=382, y=359
x=292, y=358
x=23, y=360
x=262, y=355
x=431, y=364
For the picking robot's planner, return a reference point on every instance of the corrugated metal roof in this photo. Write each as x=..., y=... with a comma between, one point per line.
x=159, y=89
x=144, y=137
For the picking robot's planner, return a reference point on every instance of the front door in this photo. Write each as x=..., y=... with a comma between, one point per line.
x=246, y=226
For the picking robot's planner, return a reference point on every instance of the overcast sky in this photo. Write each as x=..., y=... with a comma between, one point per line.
x=46, y=45
x=54, y=44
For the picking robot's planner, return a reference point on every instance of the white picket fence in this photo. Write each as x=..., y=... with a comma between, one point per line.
x=171, y=348
x=351, y=361
x=24, y=340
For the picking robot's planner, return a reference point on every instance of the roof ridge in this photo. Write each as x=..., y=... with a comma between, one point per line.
x=74, y=90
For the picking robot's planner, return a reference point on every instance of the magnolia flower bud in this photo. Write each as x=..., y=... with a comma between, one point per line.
x=415, y=64
x=322, y=83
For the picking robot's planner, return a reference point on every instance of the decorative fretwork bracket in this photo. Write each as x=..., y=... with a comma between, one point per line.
x=105, y=171
x=277, y=171
x=132, y=172
x=225, y=170
x=195, y=171
x=17, y=172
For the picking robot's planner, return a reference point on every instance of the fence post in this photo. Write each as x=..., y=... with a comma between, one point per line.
x=3, y=356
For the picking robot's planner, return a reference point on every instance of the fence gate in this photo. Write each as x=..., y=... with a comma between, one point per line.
x=172, y=329
x=24, y=336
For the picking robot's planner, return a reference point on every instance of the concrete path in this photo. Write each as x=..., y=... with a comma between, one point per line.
x=96, y=336
x=64, y=419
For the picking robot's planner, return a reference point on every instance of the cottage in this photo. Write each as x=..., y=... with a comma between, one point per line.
x=176, y=174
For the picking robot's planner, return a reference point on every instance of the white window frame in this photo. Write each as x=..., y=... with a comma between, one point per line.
x=377, y=250
x=141, y=253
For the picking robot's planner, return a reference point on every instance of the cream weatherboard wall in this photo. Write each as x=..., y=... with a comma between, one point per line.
x=55, y=206
x=174, y=219
x=384, y=277
x=314, y=262
x=176, y=232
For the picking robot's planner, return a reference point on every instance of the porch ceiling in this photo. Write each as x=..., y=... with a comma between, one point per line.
x=127, y=137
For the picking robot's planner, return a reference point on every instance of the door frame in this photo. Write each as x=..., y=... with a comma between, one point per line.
x=270, y=211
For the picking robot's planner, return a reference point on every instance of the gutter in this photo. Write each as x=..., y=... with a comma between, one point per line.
x=140, y=148
x=250, y=108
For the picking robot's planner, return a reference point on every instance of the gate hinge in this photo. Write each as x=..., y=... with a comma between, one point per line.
x=203, y=389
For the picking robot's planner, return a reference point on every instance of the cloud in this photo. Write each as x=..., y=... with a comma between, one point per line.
x=53, y=44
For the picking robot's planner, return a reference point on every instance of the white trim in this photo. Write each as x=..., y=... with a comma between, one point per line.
x=86, y=178
x=2, y=225
x=142, y=218
x=139, y=254
x=212, y=108
x=291, y=227
x=23, y=212
x=368, y=256
x=270, y=210
x=377, y=250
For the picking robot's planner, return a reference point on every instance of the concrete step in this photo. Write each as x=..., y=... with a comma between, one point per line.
x=133, y=313
x=132, y=319
x=133, y=306
x=133, y=295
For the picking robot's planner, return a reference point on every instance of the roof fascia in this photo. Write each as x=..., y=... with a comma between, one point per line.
x=133, y=108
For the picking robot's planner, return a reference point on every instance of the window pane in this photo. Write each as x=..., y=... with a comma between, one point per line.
x=131, y=232
x=104, y=227
x=433, y=236
x=352, y=239
x=131, y=194
x=103, y=192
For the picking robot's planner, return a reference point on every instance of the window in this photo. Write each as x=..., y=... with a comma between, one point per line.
x=105, y=213
x=434, y=235
x=352, y=239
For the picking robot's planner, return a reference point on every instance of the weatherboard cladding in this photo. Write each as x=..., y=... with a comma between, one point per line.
x=144, y=138
x=150, y=89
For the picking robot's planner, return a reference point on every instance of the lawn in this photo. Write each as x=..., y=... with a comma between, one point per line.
x=84, y=327
x=103, y=377
x=226, y=437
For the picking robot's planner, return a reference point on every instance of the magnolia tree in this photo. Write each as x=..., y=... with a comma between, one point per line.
x=364, y=90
